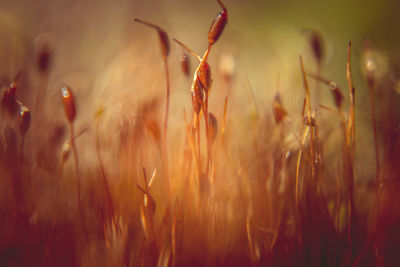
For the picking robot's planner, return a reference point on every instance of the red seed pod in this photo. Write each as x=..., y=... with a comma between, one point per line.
x=212, y=127
x=69, y=103
x=218, y=25
x=205, y=76
x=24, y=119
x=278, y=110
x=185, y=63
x=197, y=96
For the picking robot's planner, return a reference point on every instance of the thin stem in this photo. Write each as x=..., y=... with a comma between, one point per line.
x=372, y=103
x=165, y=154
x=188, y=49
x=78, y=181
x=103, y=175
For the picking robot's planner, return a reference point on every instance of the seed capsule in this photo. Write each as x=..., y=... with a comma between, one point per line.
x=205, y=76
x=278, y=110
x=337, y=94
x=197, y=96
x=317, y=45
x=212, y=127
x=185, y=63
x=69, y=103
x=24, y=119
x=164, y=41
x=218, y=25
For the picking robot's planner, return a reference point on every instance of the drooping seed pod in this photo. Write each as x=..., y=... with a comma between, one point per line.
x=164, y=40
x=205, y=76
x=277, y=109
x=212, y=127
x=69, y=103
x=44, y=50
x=185, y=62
x=317, y=46
x=337, y=94
x=218, y=25
x=24, y=119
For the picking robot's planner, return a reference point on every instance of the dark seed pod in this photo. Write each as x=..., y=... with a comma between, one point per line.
x=212, y=127
x=43, y=58
x=317, y=46
x=44, y=51
x=69, y=103
x=218, y=25
x=197, y=96
x=337, y=94
x=24, y=119
x=164, y=41
x=185, y=63
x=278, y=110
x=205, y=76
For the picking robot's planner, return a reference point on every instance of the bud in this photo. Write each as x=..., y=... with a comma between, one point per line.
x=69, y=103
x=24, y=119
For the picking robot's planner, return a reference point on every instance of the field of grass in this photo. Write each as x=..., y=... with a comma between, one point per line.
x=156, y=154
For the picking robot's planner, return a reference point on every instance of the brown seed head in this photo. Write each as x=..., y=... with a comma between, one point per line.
x=317, y=45
x=205, y=76
x=69, y=103
x=185, y=63
x=197, y=96
x=24, y=119
x=217, y=27
x=212, y=127
x=164, y=41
